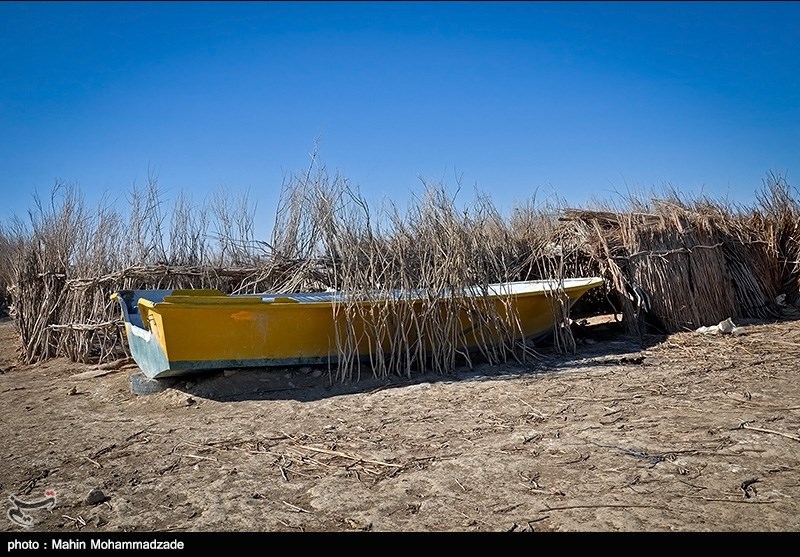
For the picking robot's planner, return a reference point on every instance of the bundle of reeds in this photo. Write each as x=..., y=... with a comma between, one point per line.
x=778, y=215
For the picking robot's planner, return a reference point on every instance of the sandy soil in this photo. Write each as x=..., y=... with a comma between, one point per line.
x=687, y=433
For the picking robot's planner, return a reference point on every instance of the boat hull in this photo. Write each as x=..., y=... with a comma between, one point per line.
x=180, y=332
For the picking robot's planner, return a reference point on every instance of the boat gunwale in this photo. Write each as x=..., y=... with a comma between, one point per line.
x=262, y=300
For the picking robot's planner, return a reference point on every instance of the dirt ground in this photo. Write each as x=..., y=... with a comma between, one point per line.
x=691, y=432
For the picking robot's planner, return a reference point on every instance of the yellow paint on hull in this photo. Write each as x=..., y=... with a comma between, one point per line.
x=240, y=329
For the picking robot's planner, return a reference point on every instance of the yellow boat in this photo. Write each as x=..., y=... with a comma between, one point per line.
x=178, y=332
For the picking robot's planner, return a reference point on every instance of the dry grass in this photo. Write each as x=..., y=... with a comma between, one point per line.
x=668, y=262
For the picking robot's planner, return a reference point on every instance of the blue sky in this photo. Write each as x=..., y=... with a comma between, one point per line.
x=585, y=101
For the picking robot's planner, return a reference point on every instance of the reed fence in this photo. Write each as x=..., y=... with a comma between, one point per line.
x=670, y=265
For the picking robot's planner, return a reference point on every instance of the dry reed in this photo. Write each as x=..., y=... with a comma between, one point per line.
x=10, y=245
x=678, y=265
x=668, y=262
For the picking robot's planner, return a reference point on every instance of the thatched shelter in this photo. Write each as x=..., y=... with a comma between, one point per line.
x=680, y=267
